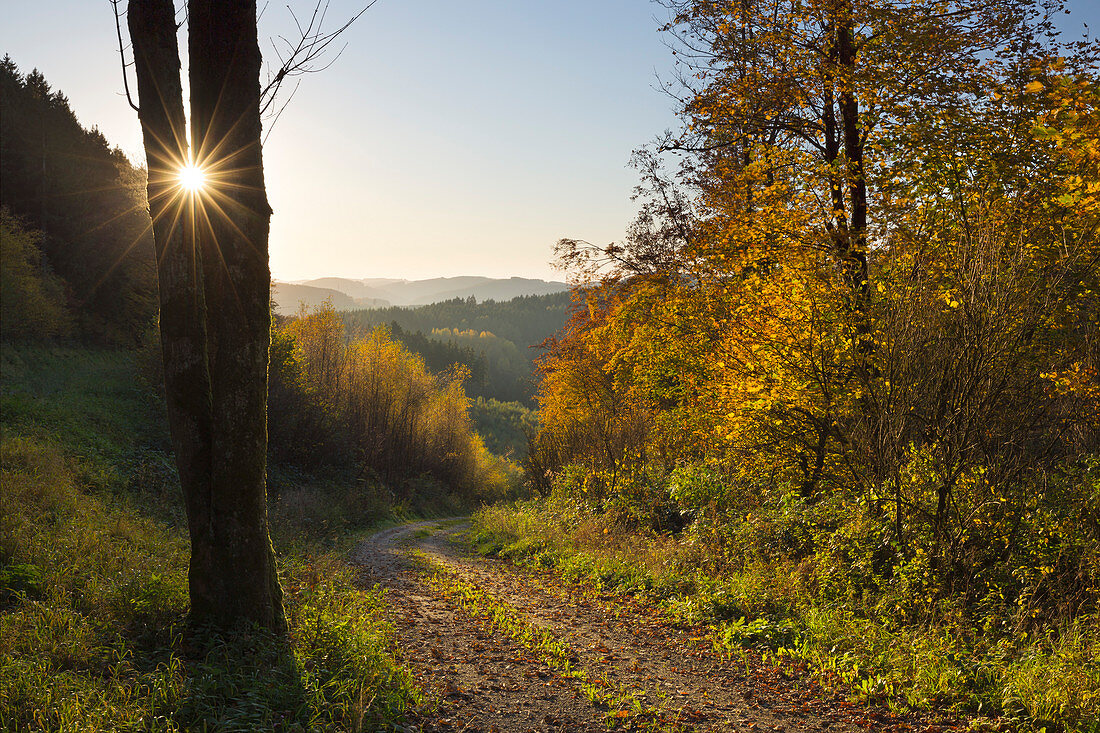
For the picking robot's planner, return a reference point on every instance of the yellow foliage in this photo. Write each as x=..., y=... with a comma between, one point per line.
x=401, y=420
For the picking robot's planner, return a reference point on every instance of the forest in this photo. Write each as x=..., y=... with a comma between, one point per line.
x=87, y=254
x=815, y=445
x=496, y=341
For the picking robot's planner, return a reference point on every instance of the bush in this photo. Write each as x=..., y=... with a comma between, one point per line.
x=32, y=298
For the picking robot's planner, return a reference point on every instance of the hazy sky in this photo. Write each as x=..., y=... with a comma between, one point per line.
x=450, y=138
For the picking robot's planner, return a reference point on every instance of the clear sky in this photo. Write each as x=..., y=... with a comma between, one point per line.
x=450, y=138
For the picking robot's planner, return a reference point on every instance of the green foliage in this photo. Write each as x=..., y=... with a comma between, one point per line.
x=525, y=321
x=32, y=299
x=493, y=340
x=504, y=426
x=441, y=356
x=93, y=568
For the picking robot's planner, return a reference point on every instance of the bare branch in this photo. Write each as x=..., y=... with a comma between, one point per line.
x=122, y=56
x=275, y=117
x=306, y=55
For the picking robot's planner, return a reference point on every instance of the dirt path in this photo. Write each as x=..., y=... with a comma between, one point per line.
x=505, y=649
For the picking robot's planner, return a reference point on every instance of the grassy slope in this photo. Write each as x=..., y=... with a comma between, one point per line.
x=93, y=560
x=1046, y=682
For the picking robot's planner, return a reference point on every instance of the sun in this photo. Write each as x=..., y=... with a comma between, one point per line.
x=192, y=178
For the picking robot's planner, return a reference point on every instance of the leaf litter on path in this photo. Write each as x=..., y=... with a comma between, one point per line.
x=611, y=663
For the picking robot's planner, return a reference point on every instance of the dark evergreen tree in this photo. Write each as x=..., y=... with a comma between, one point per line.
x=88, y=201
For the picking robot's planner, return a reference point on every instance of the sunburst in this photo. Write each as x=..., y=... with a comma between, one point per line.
x=192, y=178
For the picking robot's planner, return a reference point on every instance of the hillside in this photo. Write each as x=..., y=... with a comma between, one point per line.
x=495, y=340
x=433, y=290
x=77, y=207
x=525, y=321
x=289, y=298
x=94, y=631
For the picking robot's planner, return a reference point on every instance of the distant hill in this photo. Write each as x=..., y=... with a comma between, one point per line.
x=380, y=292
x=354, y=289
x=289, y=297
x=494, y=289
x=493, y=338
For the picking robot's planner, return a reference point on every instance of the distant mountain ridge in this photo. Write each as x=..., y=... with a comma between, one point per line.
x=289, y=297
x=350, y=294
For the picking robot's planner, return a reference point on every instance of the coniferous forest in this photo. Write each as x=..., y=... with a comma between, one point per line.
x=815, y=445
x=498, y=342
x=81, y=204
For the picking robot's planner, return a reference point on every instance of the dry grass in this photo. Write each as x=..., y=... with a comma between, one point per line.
x=1050, y=680
x=93, y=596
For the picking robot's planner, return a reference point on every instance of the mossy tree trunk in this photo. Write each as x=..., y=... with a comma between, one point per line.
x=212, y=258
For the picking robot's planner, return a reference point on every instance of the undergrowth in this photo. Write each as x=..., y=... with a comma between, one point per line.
x=1031, y=681
x=93, y=568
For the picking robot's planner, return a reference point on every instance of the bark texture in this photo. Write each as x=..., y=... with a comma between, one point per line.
x=212, y=257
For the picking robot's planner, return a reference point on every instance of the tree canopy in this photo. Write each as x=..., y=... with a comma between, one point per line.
x=870, y=284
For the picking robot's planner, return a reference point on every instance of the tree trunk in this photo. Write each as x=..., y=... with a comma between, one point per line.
x=212, y=260
x=233, y=241
x=849, y=216
x=856, y=245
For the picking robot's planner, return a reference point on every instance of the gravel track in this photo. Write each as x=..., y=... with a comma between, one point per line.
x=478, y=679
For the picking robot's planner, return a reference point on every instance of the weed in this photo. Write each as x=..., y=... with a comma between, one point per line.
x=1048, y=680
x=93, y=567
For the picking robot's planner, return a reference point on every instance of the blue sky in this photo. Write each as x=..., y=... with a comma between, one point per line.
x=450, y=138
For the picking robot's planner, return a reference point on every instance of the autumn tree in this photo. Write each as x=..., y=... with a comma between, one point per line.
x=396, y=421
x=867, y=364
x=986, y=322
x=587, y=416
x=873, y=284
x=803, y=120
x=816, y=86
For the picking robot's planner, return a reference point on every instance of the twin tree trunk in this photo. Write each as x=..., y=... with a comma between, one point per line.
x=212, y=264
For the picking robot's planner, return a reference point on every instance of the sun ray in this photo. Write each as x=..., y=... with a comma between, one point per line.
x=204, y=213
x=222, y=204
x=222, y=212
x=174, y=209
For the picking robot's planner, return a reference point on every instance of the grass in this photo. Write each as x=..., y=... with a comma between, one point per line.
x=1048, y=681
x=93, y=564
